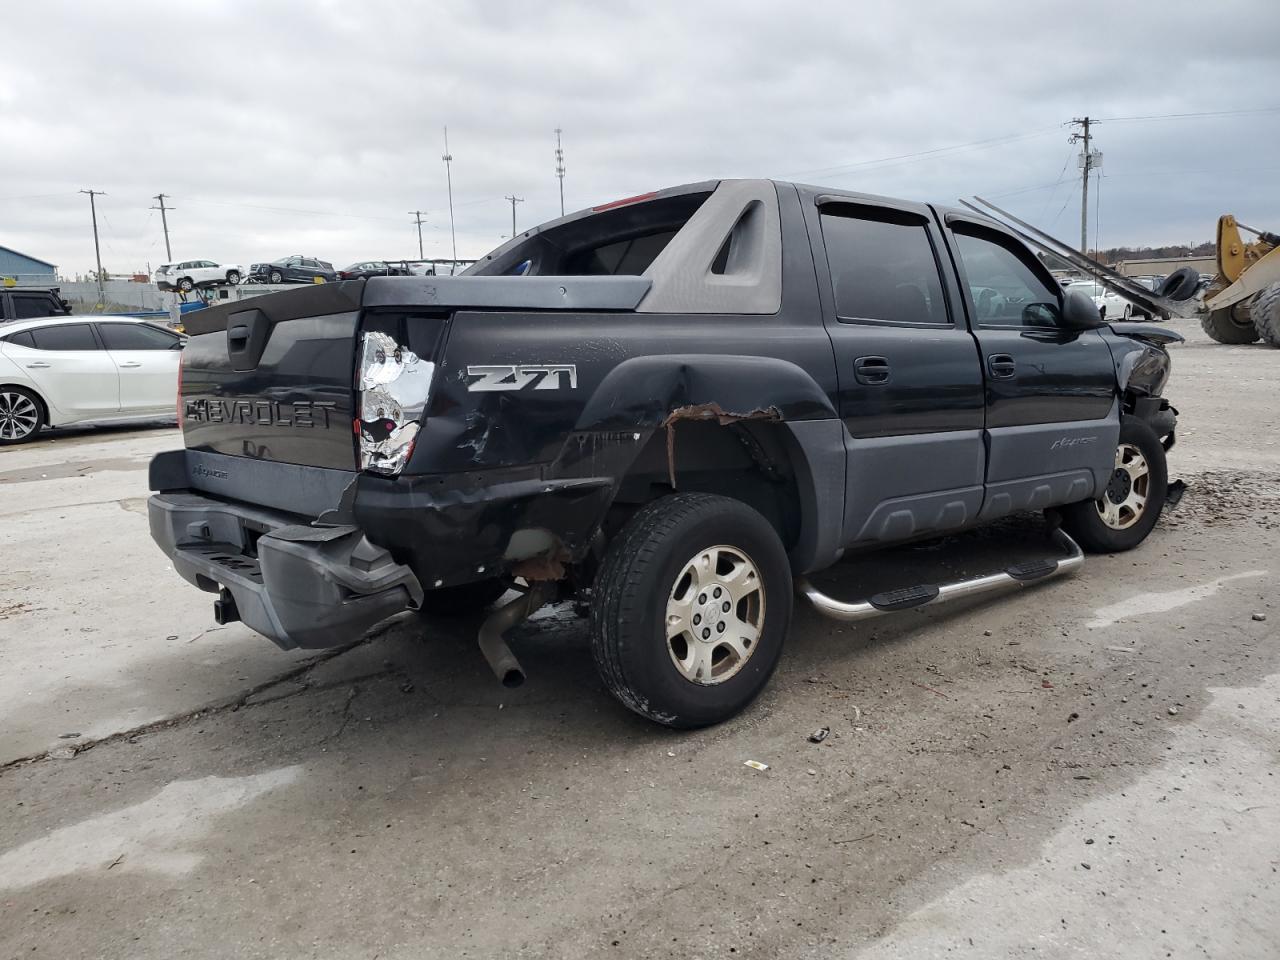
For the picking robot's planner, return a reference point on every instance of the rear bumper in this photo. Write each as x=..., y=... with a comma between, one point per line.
x=298, y=585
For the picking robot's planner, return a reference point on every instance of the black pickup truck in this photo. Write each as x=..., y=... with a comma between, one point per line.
x=672, y=408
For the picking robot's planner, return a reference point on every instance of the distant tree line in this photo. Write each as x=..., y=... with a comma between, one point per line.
x=1116, y=254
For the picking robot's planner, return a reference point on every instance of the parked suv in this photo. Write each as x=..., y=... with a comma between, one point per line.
x=296, y=269
x=28, y=303
x=672, y=408
x=374, y=268
x=191, y=274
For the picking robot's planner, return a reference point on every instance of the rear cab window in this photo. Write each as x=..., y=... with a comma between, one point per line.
x=616, y=240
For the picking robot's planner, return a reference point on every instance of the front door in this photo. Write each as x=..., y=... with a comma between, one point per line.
x=909, y=378
x=1053, y=415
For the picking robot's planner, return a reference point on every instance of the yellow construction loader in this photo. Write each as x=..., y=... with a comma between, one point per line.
x=1241, y=304
x=1243, y=300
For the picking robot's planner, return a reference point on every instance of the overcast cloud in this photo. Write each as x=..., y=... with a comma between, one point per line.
x=281, y=128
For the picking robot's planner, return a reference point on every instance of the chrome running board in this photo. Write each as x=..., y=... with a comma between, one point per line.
x=911, y=598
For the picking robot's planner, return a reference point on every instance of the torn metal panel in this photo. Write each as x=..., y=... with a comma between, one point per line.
x=704, y=412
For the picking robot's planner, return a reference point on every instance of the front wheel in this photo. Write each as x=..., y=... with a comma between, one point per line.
x=692, y=604
x=276, y=276
x=233, y=277
x=1130, y=504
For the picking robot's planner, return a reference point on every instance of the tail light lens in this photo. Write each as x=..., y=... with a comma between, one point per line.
x=392, y=383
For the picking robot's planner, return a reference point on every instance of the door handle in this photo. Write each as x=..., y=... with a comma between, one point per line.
x=38, y=365
x=131, y=363
x=1001, y=366
x=871, y=370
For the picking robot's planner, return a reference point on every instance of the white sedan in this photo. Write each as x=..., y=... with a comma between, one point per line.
x=190, y=274
x=62, y=370
x=1112, y=305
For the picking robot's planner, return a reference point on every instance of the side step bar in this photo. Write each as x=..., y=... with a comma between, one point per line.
x=910, y=598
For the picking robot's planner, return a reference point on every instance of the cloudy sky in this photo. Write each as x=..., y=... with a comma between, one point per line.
x=280, y=128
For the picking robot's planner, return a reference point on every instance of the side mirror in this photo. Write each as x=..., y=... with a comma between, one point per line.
x=1079, y=312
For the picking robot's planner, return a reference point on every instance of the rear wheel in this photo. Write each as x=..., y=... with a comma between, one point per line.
x=185, y=285
x=1231, y=325
x=1130, y=505
x=1265, y=313
x=21, y=414
x=692, y=605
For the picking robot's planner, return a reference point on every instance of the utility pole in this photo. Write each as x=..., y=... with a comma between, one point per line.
x=97, y=251
x=560, y=168
x=514, y=200
x=417, y=215
x=1086, y=162
x=448, y=172
x=165, y=221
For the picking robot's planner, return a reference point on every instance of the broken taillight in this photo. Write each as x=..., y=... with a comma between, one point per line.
x=392, y=384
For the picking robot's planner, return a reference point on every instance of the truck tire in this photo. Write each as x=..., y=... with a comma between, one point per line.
x=463, y=600
x=1180, y=285
x=1131, y=503
x=1266, y=315
x=1223, y=326
x=664, y=643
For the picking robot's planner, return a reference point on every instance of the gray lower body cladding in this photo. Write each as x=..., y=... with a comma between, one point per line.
x=298, y=585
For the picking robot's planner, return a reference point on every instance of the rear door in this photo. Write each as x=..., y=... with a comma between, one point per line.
x=69, y=366
x=910, y=383
x=147, y=358
x=1052, y=409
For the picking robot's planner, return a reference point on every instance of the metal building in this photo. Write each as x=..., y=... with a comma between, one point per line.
x=24, y=269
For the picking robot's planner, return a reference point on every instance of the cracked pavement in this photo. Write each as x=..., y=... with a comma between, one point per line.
x=1084, y=769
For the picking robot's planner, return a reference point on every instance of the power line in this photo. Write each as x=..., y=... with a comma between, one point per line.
x=907, y=157
x=164, y=220
x=1188, y=116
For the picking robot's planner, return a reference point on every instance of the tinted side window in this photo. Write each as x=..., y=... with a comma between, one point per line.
x=22, y=339
x=67, y=336
x=25, y=308
x=135, y=336
x=883, y=266
x=1003, y=287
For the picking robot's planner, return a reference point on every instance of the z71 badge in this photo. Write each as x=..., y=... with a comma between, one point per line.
x=510, y=376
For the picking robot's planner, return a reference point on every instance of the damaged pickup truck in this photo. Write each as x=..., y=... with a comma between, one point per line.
x=671, y=407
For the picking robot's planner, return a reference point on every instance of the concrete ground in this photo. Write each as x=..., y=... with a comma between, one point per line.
x=1083, y=769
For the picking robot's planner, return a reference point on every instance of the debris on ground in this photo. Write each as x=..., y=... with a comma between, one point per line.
x=1122, y=649
x=1260, y=617
x=756, y=764
x=68, y=736
x=1173, y=711
x=819, y=735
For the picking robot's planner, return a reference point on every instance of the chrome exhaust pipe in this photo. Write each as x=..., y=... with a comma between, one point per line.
x=911, y=598
x=501, y=660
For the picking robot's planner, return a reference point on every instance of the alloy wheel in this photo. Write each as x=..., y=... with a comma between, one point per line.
x=715, y=614
x=1125, y=499
x=19, y=416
